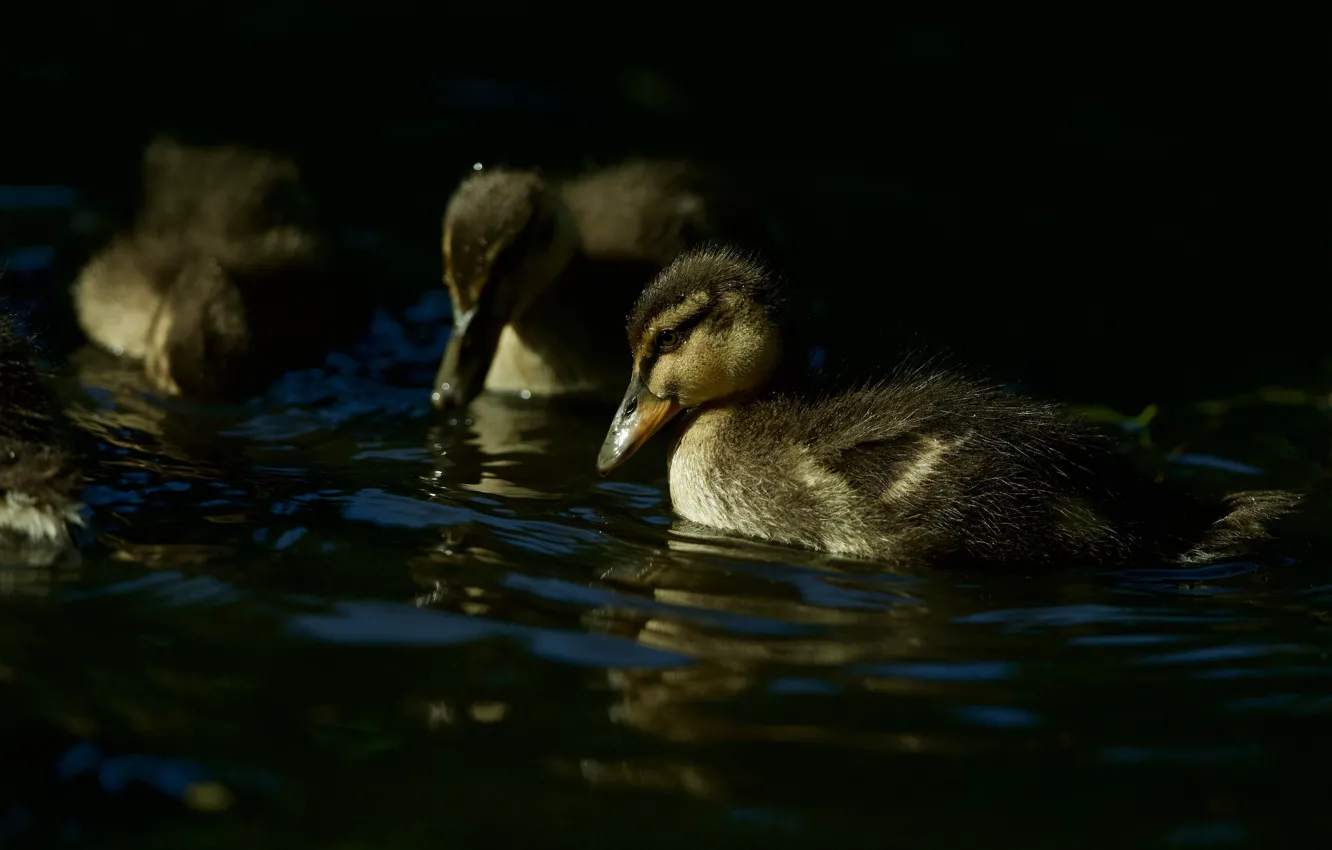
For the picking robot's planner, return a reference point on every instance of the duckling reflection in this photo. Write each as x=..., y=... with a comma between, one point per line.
x=923, y=465
x=226, y=278
x=654, y=774
x=122, y=411
x=541, y=269
x=828, y=632
x=697, y=574
x=747, y=623
x=744, y=620
x=40, y=475
x=34, y=571
x=149, y=442
x=506, y=446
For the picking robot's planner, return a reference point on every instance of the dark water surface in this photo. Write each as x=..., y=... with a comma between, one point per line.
x=333, y=618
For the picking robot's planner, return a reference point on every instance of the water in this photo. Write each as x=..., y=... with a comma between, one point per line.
x=334, y=618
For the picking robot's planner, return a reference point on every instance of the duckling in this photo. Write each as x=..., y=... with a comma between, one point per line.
x=924, y=465
x=224, y=281
x=40, y=477
x=537, y=267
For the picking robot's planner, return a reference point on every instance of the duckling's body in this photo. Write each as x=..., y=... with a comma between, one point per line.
x=922, y=465
x=552, y=349
x=926, y=465
x=223, y=281
x=538, y=268
x=39, y=475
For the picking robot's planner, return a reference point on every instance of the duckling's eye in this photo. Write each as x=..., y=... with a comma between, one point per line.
x=668, y=339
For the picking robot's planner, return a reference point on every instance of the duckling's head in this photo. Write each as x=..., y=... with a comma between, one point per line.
x=507, y=236
x=704, y=331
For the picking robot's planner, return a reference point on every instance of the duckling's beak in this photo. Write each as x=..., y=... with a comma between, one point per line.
x=476, y=333
x=641, y=415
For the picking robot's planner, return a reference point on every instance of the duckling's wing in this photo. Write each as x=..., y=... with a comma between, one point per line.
x=926, y=438
x=872, y=465
x=864, y=438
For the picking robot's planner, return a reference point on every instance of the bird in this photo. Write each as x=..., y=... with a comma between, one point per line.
x=539, y=268
x=225, y=279
x=40, y=474
x=923, y=464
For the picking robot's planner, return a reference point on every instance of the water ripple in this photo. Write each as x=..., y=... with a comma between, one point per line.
x=388, y=624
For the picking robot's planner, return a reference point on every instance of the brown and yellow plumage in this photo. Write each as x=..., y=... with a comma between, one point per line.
x=922, y=464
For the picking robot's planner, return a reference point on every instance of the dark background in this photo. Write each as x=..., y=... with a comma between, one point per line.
x=1126, y=212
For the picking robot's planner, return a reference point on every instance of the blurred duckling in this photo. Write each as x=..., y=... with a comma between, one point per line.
x=922, y=465
x=539, y=268
x=225, y=279
x=40, y=478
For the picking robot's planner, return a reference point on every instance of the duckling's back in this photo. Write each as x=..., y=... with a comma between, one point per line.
x=26, y=408
x=39, y=475
x=239, y=205
x=652, y=210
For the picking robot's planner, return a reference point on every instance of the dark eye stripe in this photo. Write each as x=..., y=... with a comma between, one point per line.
x=683, y=328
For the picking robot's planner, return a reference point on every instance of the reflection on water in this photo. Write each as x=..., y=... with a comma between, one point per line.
x=332, y=617
x=497, y=447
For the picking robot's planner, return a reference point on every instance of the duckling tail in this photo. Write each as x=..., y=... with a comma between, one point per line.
x=1252, y=513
